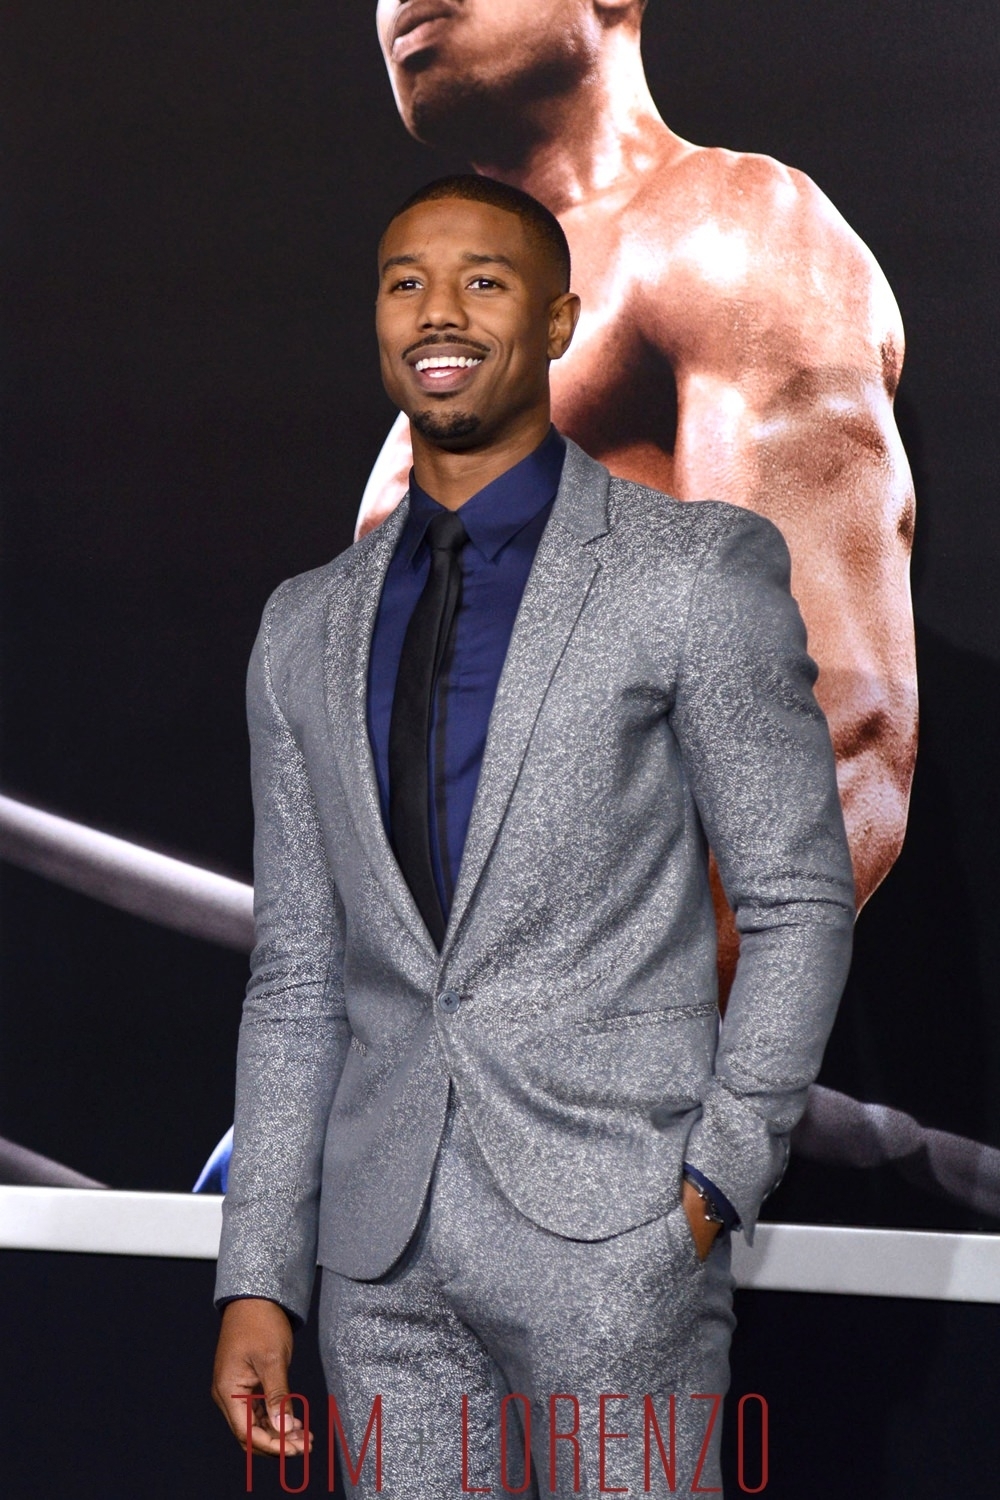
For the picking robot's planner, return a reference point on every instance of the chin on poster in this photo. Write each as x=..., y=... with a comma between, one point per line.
x=779, y=231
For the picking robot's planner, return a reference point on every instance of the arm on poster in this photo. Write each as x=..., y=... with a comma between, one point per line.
x=785, y=407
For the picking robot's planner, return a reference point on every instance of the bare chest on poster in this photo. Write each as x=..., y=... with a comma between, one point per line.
x=614, y=392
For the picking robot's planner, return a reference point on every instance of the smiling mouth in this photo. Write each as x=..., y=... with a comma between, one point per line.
x=434, y=362
x=444, y=372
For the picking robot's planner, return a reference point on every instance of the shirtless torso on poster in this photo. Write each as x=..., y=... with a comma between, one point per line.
x=738, y=340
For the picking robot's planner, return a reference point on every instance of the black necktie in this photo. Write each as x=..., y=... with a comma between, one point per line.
x=412, y=705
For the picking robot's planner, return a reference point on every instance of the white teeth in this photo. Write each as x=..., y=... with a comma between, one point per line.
x=447, y=362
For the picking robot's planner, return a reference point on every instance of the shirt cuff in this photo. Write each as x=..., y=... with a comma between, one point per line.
x=721, y=1204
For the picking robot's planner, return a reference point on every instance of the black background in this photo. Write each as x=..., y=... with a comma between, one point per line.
x=191, y=406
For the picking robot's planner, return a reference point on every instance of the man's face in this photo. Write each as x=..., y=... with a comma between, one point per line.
x=469, y=313
x=444, y=54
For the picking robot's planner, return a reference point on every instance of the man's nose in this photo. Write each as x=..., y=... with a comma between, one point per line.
x=442, y=307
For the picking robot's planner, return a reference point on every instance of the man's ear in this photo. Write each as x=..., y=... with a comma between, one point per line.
x=564, y=314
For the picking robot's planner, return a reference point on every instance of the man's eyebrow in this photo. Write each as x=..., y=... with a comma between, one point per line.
x=399, y=260
x=471, y=258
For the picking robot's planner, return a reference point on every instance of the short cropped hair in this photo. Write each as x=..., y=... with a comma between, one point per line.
x=543, y=226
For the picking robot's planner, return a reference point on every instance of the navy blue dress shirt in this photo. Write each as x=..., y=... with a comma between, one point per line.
x=504, y=523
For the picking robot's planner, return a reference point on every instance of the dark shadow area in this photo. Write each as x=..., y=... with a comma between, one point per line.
x=115, y=1365
x=868, y=1396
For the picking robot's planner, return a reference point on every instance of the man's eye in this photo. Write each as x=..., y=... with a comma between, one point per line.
x=406, y=284
x=484, y=281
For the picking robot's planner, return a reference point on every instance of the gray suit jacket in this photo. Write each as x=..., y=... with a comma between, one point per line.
x=656, y=699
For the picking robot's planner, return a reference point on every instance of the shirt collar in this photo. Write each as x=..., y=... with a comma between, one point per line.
x=494, y=514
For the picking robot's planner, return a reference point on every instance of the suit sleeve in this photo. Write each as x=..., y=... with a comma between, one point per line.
x=758, y=757
x=294, y=1033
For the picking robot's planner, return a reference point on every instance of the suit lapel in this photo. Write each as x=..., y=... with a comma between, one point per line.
x=556, y=591
x=351, y=613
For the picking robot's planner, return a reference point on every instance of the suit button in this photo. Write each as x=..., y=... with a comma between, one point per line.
x=449, y=1001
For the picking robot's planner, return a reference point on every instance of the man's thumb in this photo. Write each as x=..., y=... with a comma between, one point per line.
x=276, y=1391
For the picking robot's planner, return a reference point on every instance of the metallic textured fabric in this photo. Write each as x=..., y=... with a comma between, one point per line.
x=656, y=697
x=485, y=1304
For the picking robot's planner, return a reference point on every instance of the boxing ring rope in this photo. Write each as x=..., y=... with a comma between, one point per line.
x=69, y=1213
x=163, y=890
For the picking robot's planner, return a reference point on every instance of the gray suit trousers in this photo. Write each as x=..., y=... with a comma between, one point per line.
x=485, y=1304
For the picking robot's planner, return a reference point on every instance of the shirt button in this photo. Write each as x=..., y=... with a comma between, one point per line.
x=449, y=1001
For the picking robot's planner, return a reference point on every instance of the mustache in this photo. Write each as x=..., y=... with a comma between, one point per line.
x=435, y=340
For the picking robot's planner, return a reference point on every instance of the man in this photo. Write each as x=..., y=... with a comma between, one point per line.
x=480, y=1049
x=738, y=341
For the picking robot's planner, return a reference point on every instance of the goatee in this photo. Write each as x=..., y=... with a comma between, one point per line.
x=439, y=427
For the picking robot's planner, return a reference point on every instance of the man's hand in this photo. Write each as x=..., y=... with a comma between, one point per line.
x=703, y=1230
x=252, y=1357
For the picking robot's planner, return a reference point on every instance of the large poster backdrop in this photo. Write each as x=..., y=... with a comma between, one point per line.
x=192, y=409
